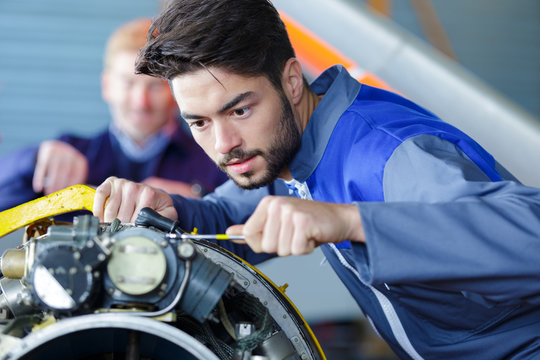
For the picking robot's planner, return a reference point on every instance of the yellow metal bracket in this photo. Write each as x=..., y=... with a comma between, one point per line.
x=73, y=198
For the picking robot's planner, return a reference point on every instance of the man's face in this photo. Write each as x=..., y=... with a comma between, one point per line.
x=140, y=105
x=243, y=123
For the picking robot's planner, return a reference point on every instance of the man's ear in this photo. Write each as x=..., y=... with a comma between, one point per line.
x=293, y=80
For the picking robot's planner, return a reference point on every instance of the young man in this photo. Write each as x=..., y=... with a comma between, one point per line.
x=144, y=142
x=437, y=242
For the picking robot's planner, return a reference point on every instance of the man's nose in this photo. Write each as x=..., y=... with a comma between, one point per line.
x=227, y=137
x=141, y=97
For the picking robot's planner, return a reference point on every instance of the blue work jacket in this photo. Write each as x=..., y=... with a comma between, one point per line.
x=450, y=268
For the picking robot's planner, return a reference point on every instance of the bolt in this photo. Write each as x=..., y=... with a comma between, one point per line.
x=25, y=299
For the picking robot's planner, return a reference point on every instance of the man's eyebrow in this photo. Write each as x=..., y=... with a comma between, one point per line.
x=235, y=101
x=187, y=116
x=239, y=98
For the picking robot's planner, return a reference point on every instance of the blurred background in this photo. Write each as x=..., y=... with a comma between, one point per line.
x=474, y=63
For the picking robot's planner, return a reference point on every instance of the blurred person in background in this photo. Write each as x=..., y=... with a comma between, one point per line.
x=145, y=141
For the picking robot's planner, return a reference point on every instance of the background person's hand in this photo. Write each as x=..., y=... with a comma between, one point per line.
x=291, y=226
x=58, y=166
x=123, y=199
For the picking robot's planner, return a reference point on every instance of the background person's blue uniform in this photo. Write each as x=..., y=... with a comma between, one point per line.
x=181, y=160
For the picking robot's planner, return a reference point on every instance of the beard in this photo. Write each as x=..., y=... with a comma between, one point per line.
x=284, y=145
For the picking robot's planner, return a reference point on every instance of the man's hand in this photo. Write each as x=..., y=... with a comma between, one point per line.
x=58, y=166
x=171, y=186
x=291, y=226
x=123, y=199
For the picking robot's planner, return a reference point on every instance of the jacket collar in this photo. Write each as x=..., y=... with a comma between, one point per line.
x=339, y=90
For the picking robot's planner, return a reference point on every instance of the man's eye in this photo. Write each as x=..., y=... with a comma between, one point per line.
x=242, y=112
x=197, y=124
x=126, y=83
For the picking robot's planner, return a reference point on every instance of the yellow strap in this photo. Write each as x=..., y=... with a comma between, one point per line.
x=73, y=198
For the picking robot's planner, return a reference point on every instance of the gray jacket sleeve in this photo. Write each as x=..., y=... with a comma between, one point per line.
x=443, y=222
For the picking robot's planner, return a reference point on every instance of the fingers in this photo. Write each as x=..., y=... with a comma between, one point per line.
x=255, y=225
x=57, y=175
x=58, y=165
x=292, y=226
x=236, y=230
x=128, y=196
x=146, y=196
x=302, y=237
x=102, y=194
x=269, y=238
x=120, y=203
x=40, y=172
x=123, y=199
x=114, y=199
x=281, y=225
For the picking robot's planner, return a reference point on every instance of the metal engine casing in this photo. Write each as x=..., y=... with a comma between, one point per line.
x=92, y=291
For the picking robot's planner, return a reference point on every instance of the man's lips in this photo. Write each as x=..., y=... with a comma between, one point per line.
x=241, y=166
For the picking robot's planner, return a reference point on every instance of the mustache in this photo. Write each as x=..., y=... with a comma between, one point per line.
x=238, y=153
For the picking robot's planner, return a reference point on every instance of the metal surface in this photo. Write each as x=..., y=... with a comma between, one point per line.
x=280, y=307
x=196, y=287
x=41, y=344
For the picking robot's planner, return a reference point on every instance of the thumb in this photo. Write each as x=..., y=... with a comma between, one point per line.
x=236, y=230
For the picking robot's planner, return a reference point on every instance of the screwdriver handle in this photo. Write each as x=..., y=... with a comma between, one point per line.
x=149, y=217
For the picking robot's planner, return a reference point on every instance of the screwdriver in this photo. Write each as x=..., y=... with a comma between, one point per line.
x=149, y=217
x=208, y=237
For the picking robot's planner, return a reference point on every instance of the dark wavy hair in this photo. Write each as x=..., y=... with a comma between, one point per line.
x=245, y=37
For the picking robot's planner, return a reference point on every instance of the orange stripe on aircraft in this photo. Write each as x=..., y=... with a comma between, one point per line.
x=317, y=55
